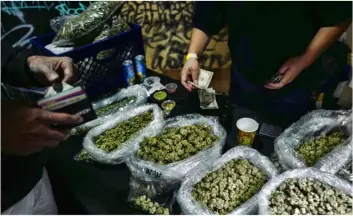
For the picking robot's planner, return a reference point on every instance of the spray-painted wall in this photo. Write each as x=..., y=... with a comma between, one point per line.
x=166, y=28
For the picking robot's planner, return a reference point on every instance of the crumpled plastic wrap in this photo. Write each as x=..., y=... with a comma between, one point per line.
x=174, y=172
x=324, y=177
x=89, y=21
x=57, y=22
x=117, y=156
x=314, y=124
x=346, y=171
x=190, y=206
x=136, y=90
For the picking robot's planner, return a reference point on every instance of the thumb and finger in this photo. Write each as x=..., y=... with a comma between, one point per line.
x=58, y=118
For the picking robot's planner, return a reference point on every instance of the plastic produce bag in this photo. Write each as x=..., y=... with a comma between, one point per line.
x=118, y=155
x=174, y=172
x=136, y=91
x=315, y=124
x=190, y=206
x=88, y=24
x=323, y=177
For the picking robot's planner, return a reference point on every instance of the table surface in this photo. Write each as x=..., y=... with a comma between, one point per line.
x=83, y=188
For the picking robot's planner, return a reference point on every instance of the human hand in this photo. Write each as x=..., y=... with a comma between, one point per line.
x=48, y=70
x=290, y=70
x=26, y=130
x=191, y=68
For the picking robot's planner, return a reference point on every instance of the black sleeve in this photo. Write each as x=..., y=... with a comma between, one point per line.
x=14, y=69
x=208, y=17
x=332, y=12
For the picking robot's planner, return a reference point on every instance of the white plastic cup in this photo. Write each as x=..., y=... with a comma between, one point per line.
x=247, y=128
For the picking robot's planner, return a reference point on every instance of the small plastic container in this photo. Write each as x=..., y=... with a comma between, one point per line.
x=171, y=87
x=168, y=105
x=149, y=82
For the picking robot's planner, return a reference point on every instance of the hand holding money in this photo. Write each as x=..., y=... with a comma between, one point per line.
x=190, y=72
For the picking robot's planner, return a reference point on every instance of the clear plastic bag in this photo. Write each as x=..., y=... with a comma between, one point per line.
x=324, y=177
x=118, y=26
x=337, y=158
x=164, y=198
x=173, y=173
x=137, y=91
x=57, y=22
x=315, y=124
x=190, y=206
x=88, y=24
x=346, y=171
x=118, y=155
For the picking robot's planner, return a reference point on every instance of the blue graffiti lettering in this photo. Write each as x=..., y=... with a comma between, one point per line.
x=13, y=7
x=64, y=9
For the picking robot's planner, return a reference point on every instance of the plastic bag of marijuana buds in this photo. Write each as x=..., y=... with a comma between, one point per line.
x=190, y=205
x=337, y=158
x=88, y=24
x=117, y=26
x=300, y=174
x=121, y=134
x=125, y=99
x=163, y=175
x=309, y=140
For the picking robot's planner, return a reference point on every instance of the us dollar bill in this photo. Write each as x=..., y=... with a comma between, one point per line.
x=207, y=98
x=204, y=79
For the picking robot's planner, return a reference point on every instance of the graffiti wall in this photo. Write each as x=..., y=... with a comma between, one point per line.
x=166, y=28
x=22, y=20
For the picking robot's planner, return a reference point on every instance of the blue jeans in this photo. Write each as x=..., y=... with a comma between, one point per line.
x=282, y=108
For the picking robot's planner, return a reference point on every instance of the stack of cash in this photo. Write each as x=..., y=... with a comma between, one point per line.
x=207, y=96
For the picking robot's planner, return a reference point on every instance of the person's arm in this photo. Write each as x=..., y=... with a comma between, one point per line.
x=207, y=20
x=198, y=42
x=333, y=18
x=14, y=67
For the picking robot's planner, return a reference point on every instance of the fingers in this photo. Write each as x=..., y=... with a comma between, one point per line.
x=185, y=78
x=40, y=144
x=58, y=118
x=69, y=70
x=50, y=74
x=195, y=72
x=45, y=132
x=284, y=81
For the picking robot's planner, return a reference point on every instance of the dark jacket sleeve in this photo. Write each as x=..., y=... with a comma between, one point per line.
x=14, y=69
x=208, y=17
x=332, y=12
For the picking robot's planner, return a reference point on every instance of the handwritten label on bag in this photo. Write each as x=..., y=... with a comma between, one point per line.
x=153, y=173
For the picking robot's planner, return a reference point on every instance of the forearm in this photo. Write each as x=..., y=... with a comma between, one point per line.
x=198, y=42
x=322, y=40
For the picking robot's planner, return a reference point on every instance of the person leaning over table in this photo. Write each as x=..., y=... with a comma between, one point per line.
x=26, y=132
x=266, y=38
